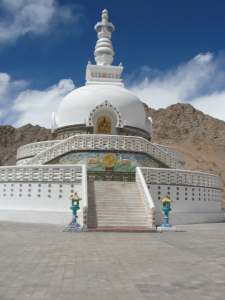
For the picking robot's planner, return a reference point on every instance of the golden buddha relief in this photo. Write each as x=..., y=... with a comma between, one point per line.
x=104, y=125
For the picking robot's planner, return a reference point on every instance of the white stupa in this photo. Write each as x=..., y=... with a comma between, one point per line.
x=103, y=94
x=103, y=152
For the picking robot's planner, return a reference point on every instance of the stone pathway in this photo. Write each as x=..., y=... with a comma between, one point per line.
x=42, y=262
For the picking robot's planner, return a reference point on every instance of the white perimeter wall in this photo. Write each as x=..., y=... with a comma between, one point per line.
x=37, y=201
x=41, y=194
x=187, y=199
x=190, y=204
x=196, y=196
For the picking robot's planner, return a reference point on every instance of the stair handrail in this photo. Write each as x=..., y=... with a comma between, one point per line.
x=176, y=154
x=146, y=197
x=85, y=196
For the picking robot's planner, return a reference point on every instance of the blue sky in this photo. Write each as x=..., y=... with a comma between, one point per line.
x=172, y=51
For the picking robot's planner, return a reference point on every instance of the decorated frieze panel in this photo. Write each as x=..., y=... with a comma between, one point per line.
x=130, y=131
x=65, y=133
x=109, y=161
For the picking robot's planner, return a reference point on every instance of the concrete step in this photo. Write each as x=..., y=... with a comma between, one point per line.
x=115, y=204
x=124, y=220
x=117, y=224
x=116, y=217
x=115, y=198
x=118, y=207
x=115, y=210
x=119, y=220
x=93, y=210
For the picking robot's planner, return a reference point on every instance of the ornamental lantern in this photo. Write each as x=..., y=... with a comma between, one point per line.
x=74, y=207
x=166, y=209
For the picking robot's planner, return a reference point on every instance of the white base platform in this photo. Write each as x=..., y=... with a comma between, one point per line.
x=53, y=217
x=182, y=218
x=29, y=216
x=167, y=229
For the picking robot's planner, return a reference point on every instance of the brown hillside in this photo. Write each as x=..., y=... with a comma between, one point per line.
x=12, y=138
x=199, y=136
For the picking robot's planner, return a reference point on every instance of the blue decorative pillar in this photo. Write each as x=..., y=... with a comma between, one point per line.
x=74, y=207
x=166, y=209
x=74, y=226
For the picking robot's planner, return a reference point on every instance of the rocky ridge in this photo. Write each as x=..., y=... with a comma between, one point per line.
x=199, y=136
x=12, y=138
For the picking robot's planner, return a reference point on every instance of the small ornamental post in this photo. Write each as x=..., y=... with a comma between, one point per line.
x=74, y=207
x=166, y=209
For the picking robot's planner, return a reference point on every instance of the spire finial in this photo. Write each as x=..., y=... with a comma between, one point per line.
x=103, y=50
x=105, y=14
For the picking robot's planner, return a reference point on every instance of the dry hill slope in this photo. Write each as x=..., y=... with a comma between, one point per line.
x=200, y=137
x=12, y=138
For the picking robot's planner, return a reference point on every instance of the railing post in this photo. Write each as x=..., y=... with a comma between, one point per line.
x=85, y=196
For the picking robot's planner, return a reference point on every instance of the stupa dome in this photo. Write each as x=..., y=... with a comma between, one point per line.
x=85, y=104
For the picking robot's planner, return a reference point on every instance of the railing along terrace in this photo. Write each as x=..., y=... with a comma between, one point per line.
x=34, y=148
x=44, y=173
x=146, y=197
x=176, y=154
x=180, y=177
x=38, y=147
x=105, y=142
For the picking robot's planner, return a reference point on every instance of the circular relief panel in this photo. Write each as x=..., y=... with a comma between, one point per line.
x=109, y=160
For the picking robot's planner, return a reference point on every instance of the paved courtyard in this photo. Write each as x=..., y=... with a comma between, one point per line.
x=42, y=262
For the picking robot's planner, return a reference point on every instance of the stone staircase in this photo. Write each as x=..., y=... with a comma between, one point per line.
x=115, y=204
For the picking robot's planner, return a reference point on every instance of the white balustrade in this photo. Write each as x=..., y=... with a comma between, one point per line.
x=176, y=154
x=105, y=142
x=34, y=148
x=180, y=177
x=146, y=197
x=43, y=173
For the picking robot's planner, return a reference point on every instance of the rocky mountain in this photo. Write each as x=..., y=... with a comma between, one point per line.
x=199, y=136
x=12, y=138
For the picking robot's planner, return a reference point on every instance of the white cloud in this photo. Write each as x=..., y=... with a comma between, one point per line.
x=20, y=105
x=35, y=107
x=199, y=82
x=4, y=83
x=8, y=90
x=8, y=87
x=213, y=105
x=201, y=58
x=35, y=17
